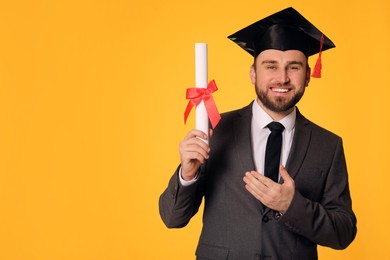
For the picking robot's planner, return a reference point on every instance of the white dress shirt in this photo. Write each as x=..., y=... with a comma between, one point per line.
x=260, y=132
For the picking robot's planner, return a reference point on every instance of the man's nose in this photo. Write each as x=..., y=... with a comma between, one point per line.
x=283, y=77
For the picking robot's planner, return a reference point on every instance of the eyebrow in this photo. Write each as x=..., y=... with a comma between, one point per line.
x=268, y=62
x=288, y=63
x=296, y=63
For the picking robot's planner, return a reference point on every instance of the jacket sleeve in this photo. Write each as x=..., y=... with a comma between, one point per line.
x=330, y=222
x=178, y=204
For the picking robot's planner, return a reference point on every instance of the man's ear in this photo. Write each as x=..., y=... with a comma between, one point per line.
x=308, y=73
x=252, y=74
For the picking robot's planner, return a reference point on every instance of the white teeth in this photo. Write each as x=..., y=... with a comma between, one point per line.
x=280, y=90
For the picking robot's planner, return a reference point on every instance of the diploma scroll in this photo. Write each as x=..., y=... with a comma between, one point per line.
x=201, y=96
x=201, y=79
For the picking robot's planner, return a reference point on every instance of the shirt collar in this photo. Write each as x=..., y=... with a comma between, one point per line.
x=262, y=119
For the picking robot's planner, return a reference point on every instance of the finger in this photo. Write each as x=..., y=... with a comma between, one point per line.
x=267, y=182
x=190, y=156
x=251, y=179
x=196, y=133
x=256, y=175
x=265, y=188
x=196, y=145
x=254, y=186
x=191, y=152
x=253, y=192
x=284, y=174
x=193, y=143
x=196, y=137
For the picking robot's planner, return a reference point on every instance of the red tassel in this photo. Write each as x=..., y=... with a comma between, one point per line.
x=318, y=67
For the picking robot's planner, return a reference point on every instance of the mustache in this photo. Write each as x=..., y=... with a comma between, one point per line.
x=281, y=85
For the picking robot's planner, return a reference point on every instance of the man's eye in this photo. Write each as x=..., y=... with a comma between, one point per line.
x=271, y=67
x=294, y=67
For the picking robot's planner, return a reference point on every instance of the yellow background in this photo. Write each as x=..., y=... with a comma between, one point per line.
x=91, y=114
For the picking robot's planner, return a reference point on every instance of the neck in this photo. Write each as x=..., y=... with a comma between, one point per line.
x=276, y=116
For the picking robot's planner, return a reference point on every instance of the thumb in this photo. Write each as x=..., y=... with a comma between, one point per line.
x=284, y=174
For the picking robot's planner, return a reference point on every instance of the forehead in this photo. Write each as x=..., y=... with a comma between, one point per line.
x=282, y=56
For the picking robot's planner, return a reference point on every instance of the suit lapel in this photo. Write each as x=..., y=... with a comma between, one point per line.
x=299, y=146
x=242, y=138
x=242, y=134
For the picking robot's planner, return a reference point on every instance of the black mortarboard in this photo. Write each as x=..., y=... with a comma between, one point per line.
x=284, y=30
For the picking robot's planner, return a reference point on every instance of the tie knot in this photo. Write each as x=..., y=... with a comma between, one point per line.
x=275, y=127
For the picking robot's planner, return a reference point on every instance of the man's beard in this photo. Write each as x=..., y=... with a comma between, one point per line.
x=280, y=104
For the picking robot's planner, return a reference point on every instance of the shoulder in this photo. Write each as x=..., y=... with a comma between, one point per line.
x=237, y=113
x=315, y=129
x=234, y=122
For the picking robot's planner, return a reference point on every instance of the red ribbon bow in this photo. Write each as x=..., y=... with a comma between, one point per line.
x=196, y=95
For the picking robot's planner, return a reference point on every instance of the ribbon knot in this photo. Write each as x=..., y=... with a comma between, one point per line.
x=196, y=95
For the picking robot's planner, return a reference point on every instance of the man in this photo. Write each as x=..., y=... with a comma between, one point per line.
x=252, y=211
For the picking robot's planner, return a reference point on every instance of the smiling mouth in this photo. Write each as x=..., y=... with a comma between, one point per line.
x=280, y=90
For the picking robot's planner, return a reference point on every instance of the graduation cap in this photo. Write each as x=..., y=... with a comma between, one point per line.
x=284, y=30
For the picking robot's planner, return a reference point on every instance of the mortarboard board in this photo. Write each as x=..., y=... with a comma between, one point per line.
x=284, y=30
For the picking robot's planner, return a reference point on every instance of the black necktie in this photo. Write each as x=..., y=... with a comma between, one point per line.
x=273, y=150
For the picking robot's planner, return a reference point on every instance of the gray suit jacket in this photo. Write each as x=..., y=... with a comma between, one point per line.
x=237, y=226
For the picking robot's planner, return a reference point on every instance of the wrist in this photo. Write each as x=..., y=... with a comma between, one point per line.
x=188, y=176
x=190, y=181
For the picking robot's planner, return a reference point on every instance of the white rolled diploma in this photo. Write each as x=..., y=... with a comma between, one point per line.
x=201, y=78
